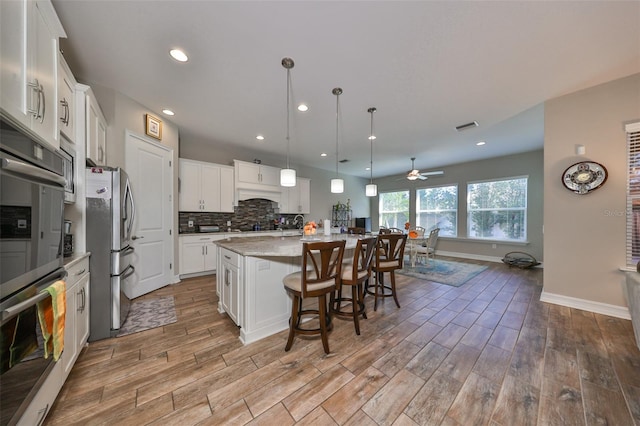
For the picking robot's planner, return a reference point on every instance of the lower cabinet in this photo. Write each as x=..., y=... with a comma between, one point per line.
x=228, y=281
x=198, y=254
x=76, y=330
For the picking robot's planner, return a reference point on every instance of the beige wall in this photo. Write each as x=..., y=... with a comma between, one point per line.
x=528, y=164
x=584, y=242
x=321, y=197
x=122, y=114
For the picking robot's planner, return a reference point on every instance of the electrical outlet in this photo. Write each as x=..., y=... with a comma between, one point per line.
x=190, y=224
x=494, y=246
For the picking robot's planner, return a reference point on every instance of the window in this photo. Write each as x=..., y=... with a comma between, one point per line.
x=394, y=209
x=438, y=208
x=633, y=194
x=497, y=210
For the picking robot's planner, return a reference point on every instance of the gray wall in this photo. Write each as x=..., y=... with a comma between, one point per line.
x=528, y=164
x=584, y=242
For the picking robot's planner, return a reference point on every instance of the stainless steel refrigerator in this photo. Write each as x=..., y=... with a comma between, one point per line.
x=110, y=217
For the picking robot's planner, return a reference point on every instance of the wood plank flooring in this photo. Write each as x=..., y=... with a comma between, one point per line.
x=486, y=353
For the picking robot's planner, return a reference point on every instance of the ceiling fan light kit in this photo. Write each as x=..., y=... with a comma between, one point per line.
x=288, y=175
x=414, y=174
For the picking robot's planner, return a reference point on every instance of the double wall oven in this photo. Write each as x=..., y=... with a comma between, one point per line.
x=32, y=191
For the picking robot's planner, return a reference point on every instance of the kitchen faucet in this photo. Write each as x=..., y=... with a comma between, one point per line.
x=300, y=224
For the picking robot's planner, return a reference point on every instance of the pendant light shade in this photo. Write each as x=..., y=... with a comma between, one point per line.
x=337, y=184
x=371, y=190
x=288, y=175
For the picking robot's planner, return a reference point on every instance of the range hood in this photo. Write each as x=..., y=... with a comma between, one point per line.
x=248, y=194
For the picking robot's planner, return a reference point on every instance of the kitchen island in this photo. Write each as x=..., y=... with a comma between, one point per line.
x=249, y=280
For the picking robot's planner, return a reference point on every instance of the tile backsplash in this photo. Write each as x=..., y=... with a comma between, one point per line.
x=246, y=214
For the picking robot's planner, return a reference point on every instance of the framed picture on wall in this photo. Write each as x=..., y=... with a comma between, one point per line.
x=154, y=127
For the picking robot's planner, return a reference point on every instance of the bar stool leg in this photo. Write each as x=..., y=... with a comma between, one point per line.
x=293, y=321
x=322, y=310
x=393, y=288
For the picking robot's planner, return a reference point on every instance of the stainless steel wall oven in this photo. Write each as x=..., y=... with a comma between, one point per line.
x=31, y=236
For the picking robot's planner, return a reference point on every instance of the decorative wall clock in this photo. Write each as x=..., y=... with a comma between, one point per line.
x=584, y=177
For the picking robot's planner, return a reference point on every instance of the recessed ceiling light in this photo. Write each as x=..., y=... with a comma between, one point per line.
x=260, y=137
x=178, y=55
x=168, y=112
x=303, y=108
x=372, y=137
x=480, y=143
x=324, y=154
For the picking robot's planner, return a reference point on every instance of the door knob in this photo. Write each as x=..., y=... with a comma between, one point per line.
x=136, y=237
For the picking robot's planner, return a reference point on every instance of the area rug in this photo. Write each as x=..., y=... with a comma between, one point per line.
x=146, y=314
x=443, y=271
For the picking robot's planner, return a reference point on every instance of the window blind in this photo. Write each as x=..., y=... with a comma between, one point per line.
x=633, y=193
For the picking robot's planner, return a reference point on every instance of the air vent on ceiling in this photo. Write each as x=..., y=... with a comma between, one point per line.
x=344, y=160
x=467, y=126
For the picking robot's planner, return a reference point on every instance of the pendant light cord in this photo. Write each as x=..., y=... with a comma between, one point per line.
x=371, y=110
x=288, y=96
x=337, y=91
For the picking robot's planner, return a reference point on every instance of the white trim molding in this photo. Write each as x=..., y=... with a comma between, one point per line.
x=587, y=305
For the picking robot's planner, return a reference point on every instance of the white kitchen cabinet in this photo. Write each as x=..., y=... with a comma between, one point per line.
x=229, y=284
x=198, y=254
x=256, y=176
x=96, y=130
x=66, y=100
x=205, y=187
x=297, y=199
x=76, y=330
x=29, y=32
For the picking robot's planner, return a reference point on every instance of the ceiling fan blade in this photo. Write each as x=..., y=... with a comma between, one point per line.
x=422, y=177
x=434, y=173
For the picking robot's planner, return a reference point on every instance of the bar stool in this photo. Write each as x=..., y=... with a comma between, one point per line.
x=389, y=257
x=354, y=274
x=320, y=275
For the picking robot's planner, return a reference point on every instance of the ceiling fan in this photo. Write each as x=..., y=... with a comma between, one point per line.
x=415, y=173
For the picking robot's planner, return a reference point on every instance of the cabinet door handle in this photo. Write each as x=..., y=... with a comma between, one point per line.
x=227, y=257
x=226, y=277
x=203, y=250
x=84, y=298
x=80, y=272
x=100, y=154
x=35, y=88
x=44, y=103
x=206, y=250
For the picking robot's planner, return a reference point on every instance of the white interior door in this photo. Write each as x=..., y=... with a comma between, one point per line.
x=150, y=173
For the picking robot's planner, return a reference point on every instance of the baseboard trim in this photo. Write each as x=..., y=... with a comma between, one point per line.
x=471, y=256
x=586, y=305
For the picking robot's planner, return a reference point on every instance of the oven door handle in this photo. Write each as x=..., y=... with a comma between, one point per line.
x=19, y=167
x=14, y=310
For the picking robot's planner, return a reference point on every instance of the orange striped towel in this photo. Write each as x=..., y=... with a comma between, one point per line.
x=51, y=313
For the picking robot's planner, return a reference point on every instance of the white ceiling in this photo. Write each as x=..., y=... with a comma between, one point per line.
x=426, y=66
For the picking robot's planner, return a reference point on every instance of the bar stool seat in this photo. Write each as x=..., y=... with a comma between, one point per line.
x=354, y=275
x=319, y=276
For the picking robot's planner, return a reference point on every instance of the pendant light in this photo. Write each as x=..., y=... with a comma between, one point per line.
x=288, y=175
x=371, y=190
x=337, y=184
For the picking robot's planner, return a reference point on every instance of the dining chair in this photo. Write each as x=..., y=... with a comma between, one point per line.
x=396, y=231
x=389, y=257
x=354, y=274
x=320, y=275
x=428, y=250
x=416, y=239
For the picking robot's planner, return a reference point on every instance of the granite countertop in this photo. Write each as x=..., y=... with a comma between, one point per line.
x=287, y=232
x=273, y=246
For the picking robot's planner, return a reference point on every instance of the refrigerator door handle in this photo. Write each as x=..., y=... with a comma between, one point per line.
x=127, y=272
x=128, y=195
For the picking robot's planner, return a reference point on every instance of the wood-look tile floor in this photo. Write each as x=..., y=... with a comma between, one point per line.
x=486, y=353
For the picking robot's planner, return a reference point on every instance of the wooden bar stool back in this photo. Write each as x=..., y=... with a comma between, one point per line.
x=354, y=275
x=389, y=257
x=320, y=275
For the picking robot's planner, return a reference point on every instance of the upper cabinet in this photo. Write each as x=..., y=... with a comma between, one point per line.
x=96, y=128
x=66, y=100
x=205, y=187
x=257, y=176
x=29, y=33
x=297, y=199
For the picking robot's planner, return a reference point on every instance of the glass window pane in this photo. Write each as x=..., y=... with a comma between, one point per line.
x=437, y=207
x=498, y=209
x=394, y=209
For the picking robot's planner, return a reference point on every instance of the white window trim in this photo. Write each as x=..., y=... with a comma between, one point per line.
x=633, y=134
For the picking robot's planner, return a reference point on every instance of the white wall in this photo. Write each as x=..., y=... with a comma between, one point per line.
x=584, y=242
